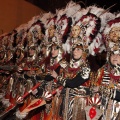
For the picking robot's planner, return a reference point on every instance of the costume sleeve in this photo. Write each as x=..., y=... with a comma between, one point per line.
x=40, y=92
x=75, y=82
x=26, y=76
x=117, y=95
x=49, y=77
x=78, y=80
x=38, y=77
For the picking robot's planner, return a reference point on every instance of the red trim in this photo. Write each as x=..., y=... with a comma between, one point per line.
x=54, y=67
x=100, y=78
x=35, y=104
x=117, y=20
x=115, y=78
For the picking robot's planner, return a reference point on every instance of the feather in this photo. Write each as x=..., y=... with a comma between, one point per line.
x=72, y=8
x=46, y=17
x=59, y=13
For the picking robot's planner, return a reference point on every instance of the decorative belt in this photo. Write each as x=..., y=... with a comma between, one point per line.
x=78, y=91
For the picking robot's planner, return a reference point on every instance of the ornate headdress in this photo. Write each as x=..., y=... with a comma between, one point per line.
x=3, y=56
x=64, y=19
x=34, y=55
x=113, y=26
x=20, y=35
x=33, y=20
x=46, y=17
x=44, y=44
x=49, y=22
x=21, y=50
x=35, y=28
x=92, y=25
x=63, y=26
x=58, y=46
x=111, y=36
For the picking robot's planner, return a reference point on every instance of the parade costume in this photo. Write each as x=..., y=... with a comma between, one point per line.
x=74, y=79
x=77, y=72
x=52, y=63
x=36, y=34
x=30, y=78
x=109, y=75
x=35, y=63
x=11, y=92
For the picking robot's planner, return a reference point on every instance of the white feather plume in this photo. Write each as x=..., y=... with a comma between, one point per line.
x=72, y=8
x=46, y=17
x=59, y=13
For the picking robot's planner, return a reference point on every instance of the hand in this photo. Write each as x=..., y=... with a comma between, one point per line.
x=117, y=68
x=21, y=115
x=54, y=74
x=19, y=100
x=34, y=92
x=19, y=69
x=85, y=72
x=2, y=95
x=47, y=96
x=58, y=92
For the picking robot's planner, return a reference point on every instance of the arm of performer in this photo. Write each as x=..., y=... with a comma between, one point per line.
x=49, y=77
x=78, y=80
x=39, y=91
x=117, y=95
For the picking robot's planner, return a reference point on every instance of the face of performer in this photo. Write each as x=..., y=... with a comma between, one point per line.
x=18, y=38
x=29, y=35
x=77, y=53
x=75, y=31
x=2, y=55
x=31, y=52
x=54, y=51
x=18, y=52
x=6, y=42
x=114, y=34
x=43, y=50
x=9, y=52
x=37, y=33
x=10, y=42
x=115, y=59
x=51, y=31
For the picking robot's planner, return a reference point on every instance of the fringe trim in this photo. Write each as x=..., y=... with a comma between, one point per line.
x=6, y=102
x=21, y=115
x=78, y=109
x=65, y=113
x=1, y=95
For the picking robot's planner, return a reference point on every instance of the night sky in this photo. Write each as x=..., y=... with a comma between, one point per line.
x=104, y=4
x=52, y=5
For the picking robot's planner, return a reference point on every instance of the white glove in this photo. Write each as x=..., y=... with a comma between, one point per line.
x=58, y=92
x=21, y=115
x=20, y=100
x=34, y=92
x=19, y=69
x=117, y=68
x=47, y=96
x=2, y=95
x=85, y=72
x=6, y=102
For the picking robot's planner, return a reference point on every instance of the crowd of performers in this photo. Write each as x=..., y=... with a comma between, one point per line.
x=44, y=69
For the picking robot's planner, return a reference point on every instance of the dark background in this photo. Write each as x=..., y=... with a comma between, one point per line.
x=52, y=5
